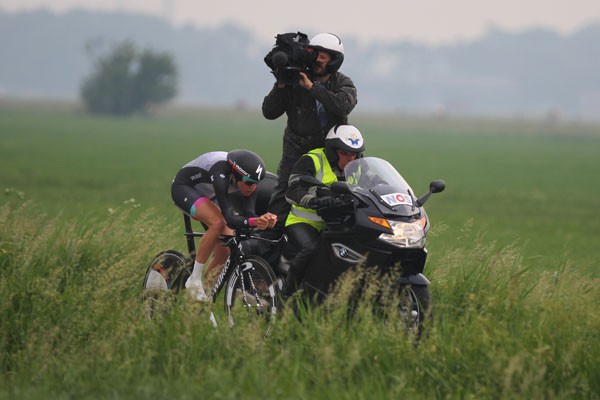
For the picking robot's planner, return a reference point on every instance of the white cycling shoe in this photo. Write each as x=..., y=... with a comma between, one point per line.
x=195, y=289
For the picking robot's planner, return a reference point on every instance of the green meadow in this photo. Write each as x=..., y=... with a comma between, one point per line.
x=513, y=262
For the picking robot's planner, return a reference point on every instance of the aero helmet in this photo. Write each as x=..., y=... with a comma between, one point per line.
x=246, y=165
x=345, y=137
x=331, y=44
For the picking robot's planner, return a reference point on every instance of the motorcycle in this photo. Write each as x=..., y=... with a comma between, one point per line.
x=377, y=224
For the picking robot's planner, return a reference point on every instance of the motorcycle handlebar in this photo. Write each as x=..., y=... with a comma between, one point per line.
x=330, y=202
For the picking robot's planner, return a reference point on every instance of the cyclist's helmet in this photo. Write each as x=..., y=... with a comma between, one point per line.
x=246, y=165
x=332, y=44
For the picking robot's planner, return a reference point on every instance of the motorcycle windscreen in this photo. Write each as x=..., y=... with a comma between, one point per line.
x=378, y=178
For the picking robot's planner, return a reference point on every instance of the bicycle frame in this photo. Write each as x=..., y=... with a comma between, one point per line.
x=236, y=252
x=190, y=235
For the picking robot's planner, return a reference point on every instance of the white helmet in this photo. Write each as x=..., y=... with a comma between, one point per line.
x=345, y=137
x=332, y=44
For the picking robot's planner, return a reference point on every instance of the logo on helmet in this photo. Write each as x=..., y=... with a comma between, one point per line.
x=259, y=171
x=354, y=140
x=238, y=169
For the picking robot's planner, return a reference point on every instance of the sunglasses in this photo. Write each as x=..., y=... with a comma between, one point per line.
x=347, y=153
x=248, y=181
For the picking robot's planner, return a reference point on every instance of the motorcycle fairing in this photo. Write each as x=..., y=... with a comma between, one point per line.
x=377, y=179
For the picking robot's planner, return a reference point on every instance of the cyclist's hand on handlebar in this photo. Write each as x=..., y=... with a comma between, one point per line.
x=272, y=219
x=325, y=202
x=265, y=221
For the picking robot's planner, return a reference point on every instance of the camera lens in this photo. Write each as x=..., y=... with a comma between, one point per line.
x=279, y=59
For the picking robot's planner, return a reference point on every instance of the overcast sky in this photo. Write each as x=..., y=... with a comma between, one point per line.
x=431, y=21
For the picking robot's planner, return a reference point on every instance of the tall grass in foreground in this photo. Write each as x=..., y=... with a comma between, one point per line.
x=72, y=326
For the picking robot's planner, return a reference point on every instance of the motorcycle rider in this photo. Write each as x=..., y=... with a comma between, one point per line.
x=343, y=144
x=201, y=189
x=319, y=101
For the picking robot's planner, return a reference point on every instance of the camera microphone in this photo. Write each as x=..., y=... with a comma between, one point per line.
x=279, y=59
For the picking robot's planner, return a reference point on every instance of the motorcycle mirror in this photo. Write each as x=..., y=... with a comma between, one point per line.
x=308, y=181
x=340, y=187
x=436, y=186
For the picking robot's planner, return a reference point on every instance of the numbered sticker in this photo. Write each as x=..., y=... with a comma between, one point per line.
x=394, y=199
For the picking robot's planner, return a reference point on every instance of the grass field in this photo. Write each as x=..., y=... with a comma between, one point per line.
x=524, y=183
x=513, y=263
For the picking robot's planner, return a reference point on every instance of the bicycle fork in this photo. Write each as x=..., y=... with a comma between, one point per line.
x=259, y=305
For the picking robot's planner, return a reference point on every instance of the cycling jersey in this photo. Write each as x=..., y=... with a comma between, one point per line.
x=209, y=176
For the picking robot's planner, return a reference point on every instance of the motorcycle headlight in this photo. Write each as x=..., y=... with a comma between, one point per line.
x=408, y=235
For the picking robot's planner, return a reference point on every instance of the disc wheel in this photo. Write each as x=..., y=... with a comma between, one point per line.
x=165, y=277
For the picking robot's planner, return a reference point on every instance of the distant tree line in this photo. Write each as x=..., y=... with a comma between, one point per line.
x=127, y=80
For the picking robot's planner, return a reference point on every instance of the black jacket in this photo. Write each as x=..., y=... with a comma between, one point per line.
x=338, y=96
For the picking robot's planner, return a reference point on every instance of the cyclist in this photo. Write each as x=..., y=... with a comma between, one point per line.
x=343, y=144
x=201, y=189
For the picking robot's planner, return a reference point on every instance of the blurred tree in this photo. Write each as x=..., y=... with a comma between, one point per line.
x=126, y=80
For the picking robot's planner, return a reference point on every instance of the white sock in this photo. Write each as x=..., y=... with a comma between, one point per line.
x=194, y=282
x=197, y=271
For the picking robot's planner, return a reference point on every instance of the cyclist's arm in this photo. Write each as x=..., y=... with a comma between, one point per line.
x=220, y=176
x=249, y=205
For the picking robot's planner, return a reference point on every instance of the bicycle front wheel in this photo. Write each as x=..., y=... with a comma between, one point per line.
x=251, y=291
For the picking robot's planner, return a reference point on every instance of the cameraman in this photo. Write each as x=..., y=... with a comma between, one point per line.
x=322, y=99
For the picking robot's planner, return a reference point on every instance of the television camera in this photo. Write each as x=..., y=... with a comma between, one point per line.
x=289, y=56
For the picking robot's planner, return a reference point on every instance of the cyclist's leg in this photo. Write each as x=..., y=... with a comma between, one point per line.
x=220, y=254
x=210, y=215
x=196, y=203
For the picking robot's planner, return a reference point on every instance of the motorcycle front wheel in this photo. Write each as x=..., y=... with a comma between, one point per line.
x=414, y=307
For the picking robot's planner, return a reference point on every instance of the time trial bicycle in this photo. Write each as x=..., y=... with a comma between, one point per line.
x=251, y=288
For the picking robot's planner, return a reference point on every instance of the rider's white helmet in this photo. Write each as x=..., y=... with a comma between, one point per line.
x=332, y=44
x=345, y=137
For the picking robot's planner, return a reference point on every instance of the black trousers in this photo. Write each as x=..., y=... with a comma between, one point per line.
x=307, y=239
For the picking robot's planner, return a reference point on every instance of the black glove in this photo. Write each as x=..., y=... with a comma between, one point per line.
x=324, y=202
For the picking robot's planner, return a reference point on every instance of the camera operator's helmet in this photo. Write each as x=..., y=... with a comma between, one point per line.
x=346, y=138
x=246, y=165
x=331, y=44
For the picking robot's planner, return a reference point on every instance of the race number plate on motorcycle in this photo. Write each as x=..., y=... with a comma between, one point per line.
x=394, y=199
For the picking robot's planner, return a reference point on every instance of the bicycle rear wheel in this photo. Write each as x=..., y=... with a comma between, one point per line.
x=251, y=291
x=165, y=277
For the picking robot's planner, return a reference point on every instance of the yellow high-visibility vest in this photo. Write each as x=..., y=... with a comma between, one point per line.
x=325, y=174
